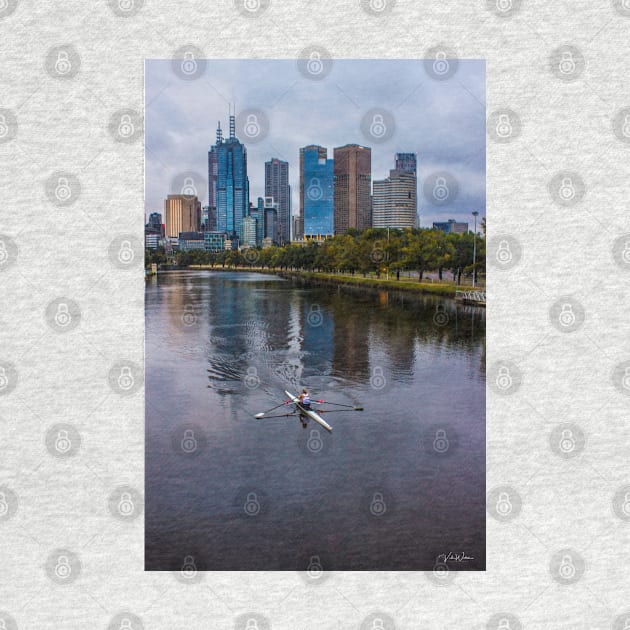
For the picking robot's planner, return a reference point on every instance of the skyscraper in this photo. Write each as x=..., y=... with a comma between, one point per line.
x=277, y=186
x=406, y=162
x=352, y=184
x=316, y=192
x=394, y=201
x=232, y=183
x=213, y=165
x=182, y=213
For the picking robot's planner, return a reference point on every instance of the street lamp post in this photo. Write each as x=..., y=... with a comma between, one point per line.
x=387, y=256
x=475, y=214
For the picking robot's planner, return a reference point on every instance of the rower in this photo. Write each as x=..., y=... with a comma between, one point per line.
x=305, y=399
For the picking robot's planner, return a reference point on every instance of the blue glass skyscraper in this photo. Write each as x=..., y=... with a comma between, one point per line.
x=232, y=184
x=316, y=191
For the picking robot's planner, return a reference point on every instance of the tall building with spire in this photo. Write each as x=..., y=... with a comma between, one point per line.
x=352, y=187
x=232, y=183
x=213, y=166
x=277, y=186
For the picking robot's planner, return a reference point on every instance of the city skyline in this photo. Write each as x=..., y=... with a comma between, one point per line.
x=443, y=122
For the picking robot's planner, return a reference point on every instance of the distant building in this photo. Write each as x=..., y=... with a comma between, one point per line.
x=182, y=213
x=316, y=192
x=271, y=225
x=191, y=240
x=394, y=202
x=297, y=232
x=155, y=221
x=267, y=242
x=249, y=232
x=352, y=188
x=152, y=237
x=277, y=186
x=213, y=241
x=406, y=162
x=451, y=227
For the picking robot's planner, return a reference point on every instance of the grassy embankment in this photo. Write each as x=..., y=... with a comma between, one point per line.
x=404, y=284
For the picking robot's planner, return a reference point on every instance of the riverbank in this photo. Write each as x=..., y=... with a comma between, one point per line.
x=337, y=279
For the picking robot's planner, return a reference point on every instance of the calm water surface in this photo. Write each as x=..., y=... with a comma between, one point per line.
x=393, y=486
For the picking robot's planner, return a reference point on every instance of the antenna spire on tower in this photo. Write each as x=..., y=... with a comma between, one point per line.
x=232, y=122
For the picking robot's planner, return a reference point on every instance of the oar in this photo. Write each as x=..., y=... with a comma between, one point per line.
x=352, y=407
x=262, y=413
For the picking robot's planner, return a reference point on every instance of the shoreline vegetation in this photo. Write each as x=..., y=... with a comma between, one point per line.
x=398, y=260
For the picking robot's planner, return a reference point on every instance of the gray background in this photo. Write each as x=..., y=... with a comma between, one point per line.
x=557, y=554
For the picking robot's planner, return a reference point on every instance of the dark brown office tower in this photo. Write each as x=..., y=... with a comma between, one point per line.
x=353, y=177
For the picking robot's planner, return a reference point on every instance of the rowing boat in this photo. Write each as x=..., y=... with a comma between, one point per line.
x=301, y=410
x=308, y=412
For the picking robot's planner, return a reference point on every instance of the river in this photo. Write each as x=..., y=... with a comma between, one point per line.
x=391, y=488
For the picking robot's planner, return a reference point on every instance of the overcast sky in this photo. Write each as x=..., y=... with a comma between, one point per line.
x=442, y=121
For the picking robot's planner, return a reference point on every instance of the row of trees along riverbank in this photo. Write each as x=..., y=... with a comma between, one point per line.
x=369, y=252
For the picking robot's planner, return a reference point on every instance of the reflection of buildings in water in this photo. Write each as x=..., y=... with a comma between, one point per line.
x=350, y=346
x=317, y=331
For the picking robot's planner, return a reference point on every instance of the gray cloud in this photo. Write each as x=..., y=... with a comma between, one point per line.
x=443, y=122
